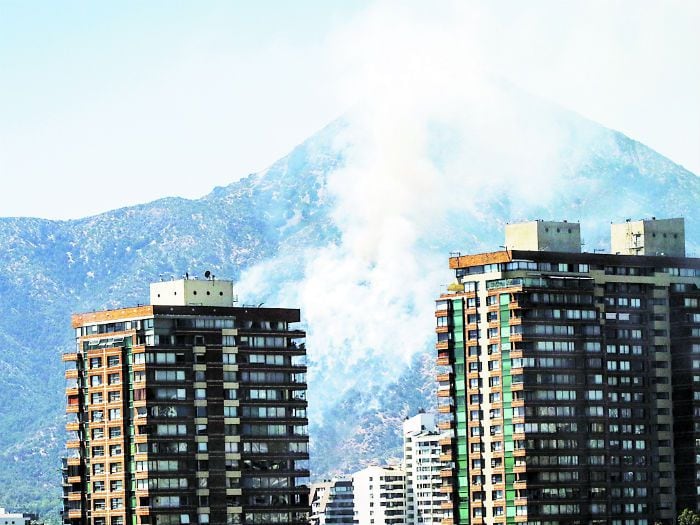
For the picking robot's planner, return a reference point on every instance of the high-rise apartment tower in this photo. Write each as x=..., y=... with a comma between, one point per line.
x=571, y=381
x=188, y=410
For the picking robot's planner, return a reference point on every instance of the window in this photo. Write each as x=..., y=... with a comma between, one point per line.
x=116, y=485
x=112, y=360
x=171, y=430
x=113, y=379
x=170, y=393
x=169, y=375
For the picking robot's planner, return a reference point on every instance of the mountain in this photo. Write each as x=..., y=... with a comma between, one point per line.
x=356, y=234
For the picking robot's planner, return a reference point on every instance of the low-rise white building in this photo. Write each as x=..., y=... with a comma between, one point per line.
x=380, y=495
x=13, y=518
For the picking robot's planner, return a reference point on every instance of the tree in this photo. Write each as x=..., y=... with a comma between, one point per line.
x=688, y=517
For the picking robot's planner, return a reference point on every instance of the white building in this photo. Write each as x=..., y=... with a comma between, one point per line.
x=13, y=518
x=379, y=495
x=421, y=452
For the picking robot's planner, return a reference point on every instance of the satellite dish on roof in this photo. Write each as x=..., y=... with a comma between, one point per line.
x=207, y=274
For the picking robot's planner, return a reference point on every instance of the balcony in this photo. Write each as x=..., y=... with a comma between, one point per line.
x=443, y=360
x=75, y=514
x=444, y=378
x=74, y=496
x=444, y=409
x=445, y=425
x=443, y=392
x=446, y=441
x=69, y=356
x=73, y=462
x=446, y=489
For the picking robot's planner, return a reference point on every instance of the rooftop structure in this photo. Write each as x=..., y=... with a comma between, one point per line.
x=545, y=236
x=649, y=237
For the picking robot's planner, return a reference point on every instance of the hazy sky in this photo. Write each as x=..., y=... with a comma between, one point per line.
x=110, y=104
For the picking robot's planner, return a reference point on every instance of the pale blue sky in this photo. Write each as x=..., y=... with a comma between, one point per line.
x=107, y=104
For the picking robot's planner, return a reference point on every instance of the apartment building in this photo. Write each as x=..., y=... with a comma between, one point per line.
x=570, y=382
x=421, y=453
x=187, y=410
x=332, y=502
x=379, y=494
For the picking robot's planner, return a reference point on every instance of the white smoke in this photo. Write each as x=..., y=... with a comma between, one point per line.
x=433, y=136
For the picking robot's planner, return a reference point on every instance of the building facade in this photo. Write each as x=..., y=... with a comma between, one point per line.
x=188, y=410
x=421, y=453
x=332, y=502
x=570, y=382
x=15, y=518
x=380, y=496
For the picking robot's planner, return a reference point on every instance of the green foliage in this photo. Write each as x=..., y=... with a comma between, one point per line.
x=688, y=517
